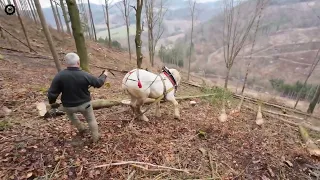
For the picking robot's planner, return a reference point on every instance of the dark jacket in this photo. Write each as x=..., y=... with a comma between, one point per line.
x=74, y=85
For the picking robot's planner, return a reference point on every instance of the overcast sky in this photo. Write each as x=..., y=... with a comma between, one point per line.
x=46, y=3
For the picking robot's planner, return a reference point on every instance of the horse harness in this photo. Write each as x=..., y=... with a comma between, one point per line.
x=166, y=72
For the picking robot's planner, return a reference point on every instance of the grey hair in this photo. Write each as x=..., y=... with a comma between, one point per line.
x=72, y=59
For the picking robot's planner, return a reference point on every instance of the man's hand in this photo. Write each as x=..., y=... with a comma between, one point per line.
x=106, y=73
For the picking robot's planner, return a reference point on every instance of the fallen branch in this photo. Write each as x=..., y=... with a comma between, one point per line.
x=141, y=163
x=287, y=121
x=276, y=106
x=311, y=146
x=15, y=37
x=284, y=115
x=100, y=67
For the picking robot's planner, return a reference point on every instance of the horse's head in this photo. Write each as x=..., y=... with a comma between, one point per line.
x=175, y=73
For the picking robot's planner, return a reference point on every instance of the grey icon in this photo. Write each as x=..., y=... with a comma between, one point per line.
x=10, y=9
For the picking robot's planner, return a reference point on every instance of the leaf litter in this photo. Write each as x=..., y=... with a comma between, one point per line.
x=31, y=147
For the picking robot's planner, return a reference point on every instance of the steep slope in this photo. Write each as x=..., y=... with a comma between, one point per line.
x=286, y=44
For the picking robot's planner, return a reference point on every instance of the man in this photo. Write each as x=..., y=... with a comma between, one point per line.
x=74, y=85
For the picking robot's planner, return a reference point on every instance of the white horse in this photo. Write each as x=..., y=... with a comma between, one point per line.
x=141, y=84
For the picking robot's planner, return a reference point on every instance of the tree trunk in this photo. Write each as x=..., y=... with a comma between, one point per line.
x=138, y=33
x=35, y=11
x=78, y=34
x=65, y=16
x=314, y=65
x=128, y=36
x=227, y=78
x=27, y=9
x=108, y=23
x=55, y=16
x=314, y=101
x=92, y=22
x=32, y=12
x=22, y=25
x=47, y=34
x=191, y=43
x=311, y=146
x=59, y=18
x=245, y=79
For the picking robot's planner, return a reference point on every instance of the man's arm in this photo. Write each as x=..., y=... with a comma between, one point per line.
x=97, y=82
x=54, y=90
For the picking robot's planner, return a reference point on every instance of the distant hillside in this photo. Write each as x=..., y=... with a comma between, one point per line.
x=176, y=18
x=287, y=42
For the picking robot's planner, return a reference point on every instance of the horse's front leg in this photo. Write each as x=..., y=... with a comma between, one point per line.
x=139, y=104
x=171, y=98
x=158, y=112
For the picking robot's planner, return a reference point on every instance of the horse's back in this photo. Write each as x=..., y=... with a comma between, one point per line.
x=131, y=80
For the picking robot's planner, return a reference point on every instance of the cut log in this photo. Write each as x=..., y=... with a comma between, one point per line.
x=259, y=119
x=311, y=146
x=43, y=107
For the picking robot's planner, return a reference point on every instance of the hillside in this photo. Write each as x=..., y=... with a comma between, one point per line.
x=198, y=146
x=176, y=20
x=286, y=44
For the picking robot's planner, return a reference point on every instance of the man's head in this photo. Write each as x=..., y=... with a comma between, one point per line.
x=72, y=60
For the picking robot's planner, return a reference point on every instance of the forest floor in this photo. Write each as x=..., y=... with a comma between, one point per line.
x=31, y=147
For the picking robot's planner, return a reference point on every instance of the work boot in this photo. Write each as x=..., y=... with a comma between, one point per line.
x=95, y=137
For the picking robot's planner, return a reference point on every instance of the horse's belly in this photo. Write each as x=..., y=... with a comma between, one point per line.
x=154, y=95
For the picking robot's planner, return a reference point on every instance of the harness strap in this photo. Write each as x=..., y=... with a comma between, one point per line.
x=164, y=88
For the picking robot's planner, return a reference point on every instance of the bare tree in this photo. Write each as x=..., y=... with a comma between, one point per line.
x=124, y=7
x=59, y=18
x=78, y=34
x=314, y=101
x=138, y=41
x=22, y=25
x=252, y=47
x=32, y=11
x=313, y=66
x=47, y=34
x=35, y=10
x=107, y=8
x=192, y=5
x=155, y=13
x=236, y=31
x=84, y=19
x=55, y=16
x=92, y=22
x=65, y=15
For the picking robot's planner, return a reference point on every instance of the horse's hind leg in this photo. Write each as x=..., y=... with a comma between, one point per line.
x=139, y=104
x=133, y=105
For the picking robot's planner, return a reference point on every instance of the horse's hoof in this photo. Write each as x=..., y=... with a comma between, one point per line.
x=177, y=117
x=144, y=118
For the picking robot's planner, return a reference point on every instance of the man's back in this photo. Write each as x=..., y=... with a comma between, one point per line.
x=73, y=83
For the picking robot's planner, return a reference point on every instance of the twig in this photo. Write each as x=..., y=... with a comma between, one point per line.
x=141, y=163
x=131, y=175
x=147, y=169
x=211, y=165
x=57, y=166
